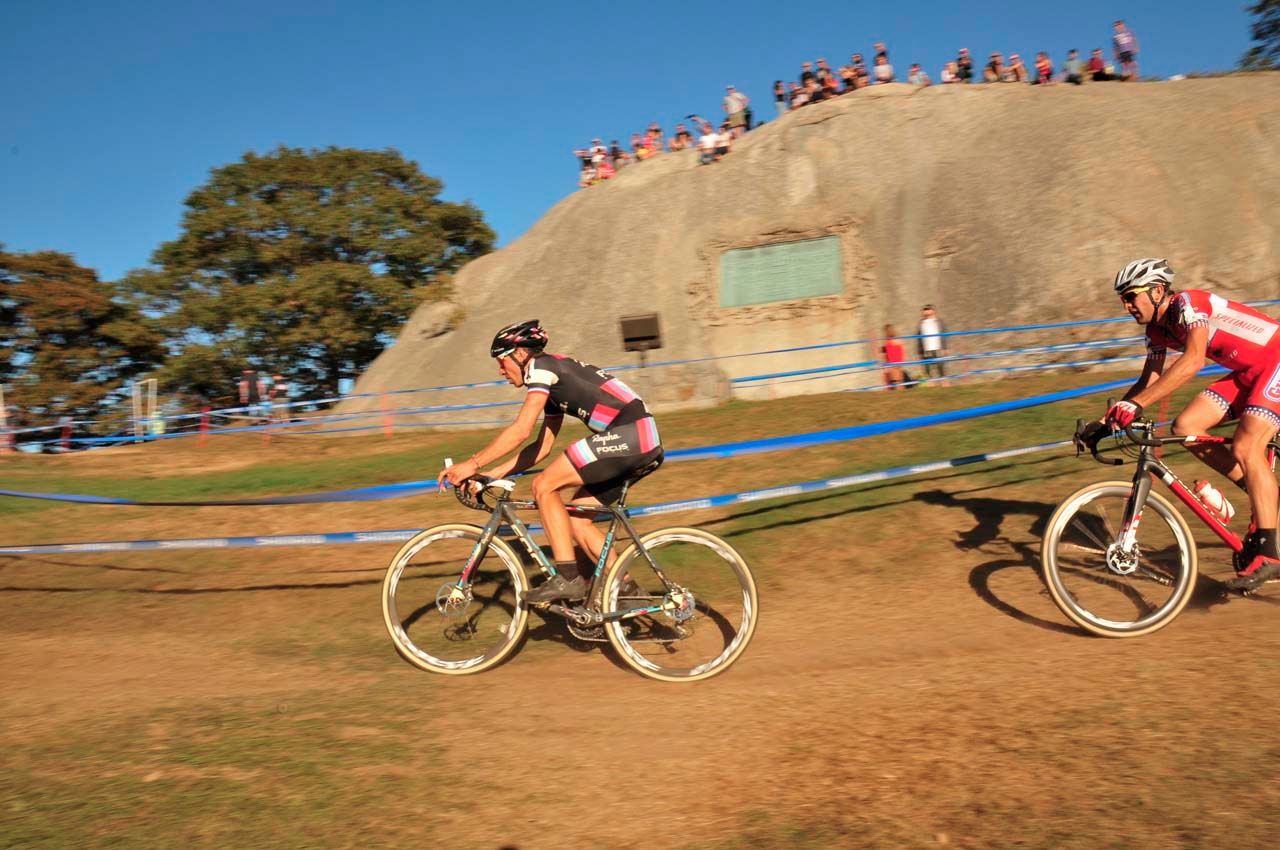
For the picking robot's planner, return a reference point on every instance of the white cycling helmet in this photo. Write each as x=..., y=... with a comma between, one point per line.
x=1143, y=274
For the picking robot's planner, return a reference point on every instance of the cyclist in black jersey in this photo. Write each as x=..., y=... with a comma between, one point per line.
x=624, y=446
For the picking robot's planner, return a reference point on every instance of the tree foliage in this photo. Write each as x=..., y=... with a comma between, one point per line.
x=68, y=344
x=302, y=262
x=1266, y=31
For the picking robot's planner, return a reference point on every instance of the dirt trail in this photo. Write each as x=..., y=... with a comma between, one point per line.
x=914, y=690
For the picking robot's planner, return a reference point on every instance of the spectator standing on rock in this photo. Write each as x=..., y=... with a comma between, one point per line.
x=780, y=98
x=930, y=343
x=735, y=107
x=1073, y=68
x=806, y=73
x=916, y=76
x=950, y=73
x=883, y=70
x=964, y=66
x=1126, y=50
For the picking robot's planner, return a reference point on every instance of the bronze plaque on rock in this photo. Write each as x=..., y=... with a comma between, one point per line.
x=785, y=271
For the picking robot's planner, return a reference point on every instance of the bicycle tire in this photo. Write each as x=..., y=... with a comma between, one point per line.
x=1074, y=561
x=502, y=615
x=723, y=596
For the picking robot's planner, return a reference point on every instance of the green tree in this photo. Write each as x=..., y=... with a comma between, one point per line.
x=68, y=344
x=1266, y=31
x=302, y=262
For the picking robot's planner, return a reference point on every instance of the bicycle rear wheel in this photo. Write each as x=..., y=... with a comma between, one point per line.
x=705, y=624
x=443, y=628
x=1108, y=591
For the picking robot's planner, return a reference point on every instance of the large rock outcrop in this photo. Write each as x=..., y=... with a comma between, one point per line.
x=1001, y=203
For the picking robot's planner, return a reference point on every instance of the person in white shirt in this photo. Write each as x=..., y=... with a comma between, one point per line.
x=735, y=107
x=707, y=144
x=883, y=71
x=931, y=344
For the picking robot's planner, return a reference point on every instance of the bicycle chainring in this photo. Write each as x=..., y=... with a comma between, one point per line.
x=591, y=634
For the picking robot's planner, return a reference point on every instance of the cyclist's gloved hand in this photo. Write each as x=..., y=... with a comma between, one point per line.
x=1122, y=414
x=1091, y=434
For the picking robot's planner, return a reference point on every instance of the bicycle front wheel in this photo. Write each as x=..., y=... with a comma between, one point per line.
x=1100, y=586
x=442, y=626
x=708, y=613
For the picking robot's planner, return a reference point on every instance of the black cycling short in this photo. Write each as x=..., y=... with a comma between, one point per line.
x=607, y=460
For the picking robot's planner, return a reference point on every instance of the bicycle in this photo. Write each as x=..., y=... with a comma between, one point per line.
x=1095, y=569
x=678, y=605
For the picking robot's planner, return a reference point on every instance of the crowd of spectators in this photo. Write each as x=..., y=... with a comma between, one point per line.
x=819, y=82
x=713, y=142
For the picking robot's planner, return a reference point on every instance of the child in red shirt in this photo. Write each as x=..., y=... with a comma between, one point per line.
x=894, y=353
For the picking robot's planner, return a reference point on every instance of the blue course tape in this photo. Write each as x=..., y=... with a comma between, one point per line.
x=796, y=441
x=723, y=450
x=401, y=535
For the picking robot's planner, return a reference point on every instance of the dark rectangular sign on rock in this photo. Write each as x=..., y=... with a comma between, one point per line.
x=785, y=271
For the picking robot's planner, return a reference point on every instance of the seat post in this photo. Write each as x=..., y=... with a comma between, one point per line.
x=622, y=498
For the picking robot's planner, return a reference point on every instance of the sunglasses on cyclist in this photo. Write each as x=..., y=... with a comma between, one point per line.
x=1132, y=295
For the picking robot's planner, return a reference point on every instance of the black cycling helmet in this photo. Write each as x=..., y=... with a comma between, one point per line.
x=523, y=335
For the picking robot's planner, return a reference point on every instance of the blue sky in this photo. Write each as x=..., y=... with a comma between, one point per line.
x=114, y=111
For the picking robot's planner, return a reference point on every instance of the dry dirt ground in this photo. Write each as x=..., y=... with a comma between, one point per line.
x=910, y=685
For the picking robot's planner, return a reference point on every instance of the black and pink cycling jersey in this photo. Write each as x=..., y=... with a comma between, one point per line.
x=625, y=446
x=581, y=390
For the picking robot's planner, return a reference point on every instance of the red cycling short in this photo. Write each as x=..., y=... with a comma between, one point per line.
x=1254, y=391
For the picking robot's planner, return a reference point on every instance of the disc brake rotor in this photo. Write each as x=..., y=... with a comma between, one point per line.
x=1120, y=562
x=453, y=601
x=679, y=605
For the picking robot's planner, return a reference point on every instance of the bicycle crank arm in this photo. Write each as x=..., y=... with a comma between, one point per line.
x=577, y=615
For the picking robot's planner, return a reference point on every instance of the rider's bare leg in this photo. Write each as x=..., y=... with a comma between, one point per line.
x=1195, y=421
x=559, y=475
x=586, y=533
x=1249, y=449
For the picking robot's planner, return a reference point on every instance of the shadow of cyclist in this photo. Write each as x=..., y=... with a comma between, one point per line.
x=989, y=515
x=980, y=582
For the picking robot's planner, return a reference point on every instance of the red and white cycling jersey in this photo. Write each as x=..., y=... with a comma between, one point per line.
x=1240, y=338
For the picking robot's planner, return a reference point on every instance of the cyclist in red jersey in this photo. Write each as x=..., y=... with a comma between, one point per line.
x=624, y=446
x=1204, y=326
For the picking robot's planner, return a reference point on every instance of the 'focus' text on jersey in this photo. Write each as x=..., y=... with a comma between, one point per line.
x=1239, y=336
x=580, y=389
